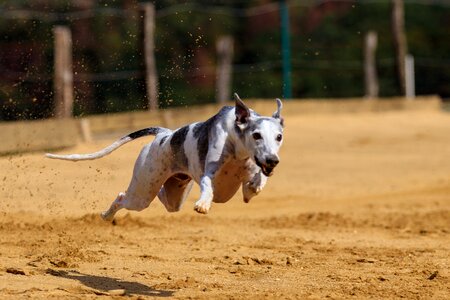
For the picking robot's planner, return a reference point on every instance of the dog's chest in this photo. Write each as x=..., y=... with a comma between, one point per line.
x=228, y=179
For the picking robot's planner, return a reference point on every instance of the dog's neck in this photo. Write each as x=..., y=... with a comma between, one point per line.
x=240, y=151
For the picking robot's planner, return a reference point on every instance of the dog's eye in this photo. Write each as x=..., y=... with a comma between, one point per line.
x=257, y=136
x=279, y=137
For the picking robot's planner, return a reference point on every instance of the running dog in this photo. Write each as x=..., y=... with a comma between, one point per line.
x=235, y=147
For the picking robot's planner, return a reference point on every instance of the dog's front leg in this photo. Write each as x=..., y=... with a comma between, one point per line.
x=213, y=161
x=206, y=195
x=254, y=186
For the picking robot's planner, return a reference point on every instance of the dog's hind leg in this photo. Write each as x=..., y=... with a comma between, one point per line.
x=115, y=206
x=175, y=191
x=132, y=199
x=148, y=177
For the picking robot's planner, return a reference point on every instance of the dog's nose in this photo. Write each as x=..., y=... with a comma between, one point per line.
x=272, y=161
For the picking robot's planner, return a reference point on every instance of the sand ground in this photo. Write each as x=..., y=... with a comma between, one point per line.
x=358, y=208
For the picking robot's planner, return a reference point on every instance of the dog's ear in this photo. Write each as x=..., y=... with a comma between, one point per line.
x=242, y=112
x=277, y=113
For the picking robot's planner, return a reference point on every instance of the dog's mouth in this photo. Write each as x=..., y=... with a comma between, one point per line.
x=268, y=171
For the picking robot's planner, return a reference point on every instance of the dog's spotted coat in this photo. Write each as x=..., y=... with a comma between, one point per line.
x=234, y=147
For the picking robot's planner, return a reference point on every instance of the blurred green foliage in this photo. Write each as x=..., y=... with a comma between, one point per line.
x=327, y=43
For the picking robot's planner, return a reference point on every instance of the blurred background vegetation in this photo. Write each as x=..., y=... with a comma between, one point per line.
x=326, y=46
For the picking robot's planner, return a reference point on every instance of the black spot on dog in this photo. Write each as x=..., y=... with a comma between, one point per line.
x=202, y=131
x=144, y=132
x=179, y=137
x=176, y=143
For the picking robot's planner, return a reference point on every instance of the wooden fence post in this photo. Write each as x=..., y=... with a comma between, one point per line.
x=370, y=70
x=63, y=75
x=149, y=51
x=224, y=48
x=410, y=83
x=398, y=30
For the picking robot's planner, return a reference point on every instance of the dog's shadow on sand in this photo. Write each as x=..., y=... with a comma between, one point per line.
x=105, y=284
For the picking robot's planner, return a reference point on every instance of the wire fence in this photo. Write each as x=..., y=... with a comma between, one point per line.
x=257, y=72
x=185, y=7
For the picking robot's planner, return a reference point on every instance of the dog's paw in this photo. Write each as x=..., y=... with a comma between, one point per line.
x=202, y=207
x=251, y=189
x=106, y=216
x=255, y=189
x=257, y=184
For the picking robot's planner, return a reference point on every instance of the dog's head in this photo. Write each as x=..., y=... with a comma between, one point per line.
x=262, y=136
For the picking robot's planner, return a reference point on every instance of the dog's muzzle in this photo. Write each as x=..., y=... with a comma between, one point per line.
x=268, y=166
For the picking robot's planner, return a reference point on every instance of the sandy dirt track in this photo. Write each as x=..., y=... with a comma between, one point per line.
x=358, y=208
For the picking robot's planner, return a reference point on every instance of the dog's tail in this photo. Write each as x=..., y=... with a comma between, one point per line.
x=110, y=148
